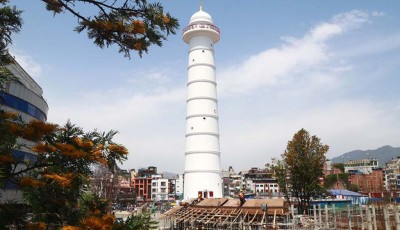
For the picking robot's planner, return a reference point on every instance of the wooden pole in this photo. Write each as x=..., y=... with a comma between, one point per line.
x=362, y=218
x=293, y=220
x=326, y=216
x=349, y=216
x=315, y=216
x=334, y=216
x=320, y=216
x=387, y=218
x=374, y=217
x=396, y=217
x=369, y=219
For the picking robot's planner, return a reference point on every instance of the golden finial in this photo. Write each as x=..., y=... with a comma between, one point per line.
x=201, y=5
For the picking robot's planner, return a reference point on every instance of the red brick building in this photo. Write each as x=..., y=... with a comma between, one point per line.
x=369, y=184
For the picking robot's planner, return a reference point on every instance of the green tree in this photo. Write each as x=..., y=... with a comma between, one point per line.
x=304, y=158
x=141, y=221
x=281, y=174
x=10, y=22
x=60, y=174
x=132, y=25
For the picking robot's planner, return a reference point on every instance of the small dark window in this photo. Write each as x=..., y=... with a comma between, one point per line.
x=204, y=118
x=203, y=51
x=191, y=128
x=193, y=60
x=215, y=111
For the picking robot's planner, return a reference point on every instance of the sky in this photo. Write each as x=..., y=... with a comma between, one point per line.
x=330, y=67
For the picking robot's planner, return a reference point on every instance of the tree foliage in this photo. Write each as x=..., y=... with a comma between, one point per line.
x=141, y=221
x=132, y=25
x=304, y=158
x=60, y=175
x=10, y=22
x=282, y=175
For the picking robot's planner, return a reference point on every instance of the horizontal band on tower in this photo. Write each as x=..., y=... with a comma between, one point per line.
x=199, y=98
x=201, y=48
x=202, y=152
x=202, y=133
x=202, y=80
x=202, y=115
x=201, y=64
x=203, y=171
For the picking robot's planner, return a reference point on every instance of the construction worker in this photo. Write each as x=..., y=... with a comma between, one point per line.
x=241, y=198
x=200, y=198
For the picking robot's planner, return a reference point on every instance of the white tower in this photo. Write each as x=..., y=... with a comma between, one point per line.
x=202, y=155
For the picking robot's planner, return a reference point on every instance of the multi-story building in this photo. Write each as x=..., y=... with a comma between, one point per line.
x=159, y=188
x=179, y=186
x=391, y=178
x=363, y=166
x=231, y=182
x=141, y=182
x=261, y=182
x=24, y=97
x=369, y=184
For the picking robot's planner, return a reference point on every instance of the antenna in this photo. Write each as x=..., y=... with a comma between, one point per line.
x=201, y=5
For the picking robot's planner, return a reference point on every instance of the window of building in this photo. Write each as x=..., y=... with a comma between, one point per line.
x=163, y=184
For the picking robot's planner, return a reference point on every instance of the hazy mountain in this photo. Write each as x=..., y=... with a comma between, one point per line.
x=169, y=175
x=384, y=154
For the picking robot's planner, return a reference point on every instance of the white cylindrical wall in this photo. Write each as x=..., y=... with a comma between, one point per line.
x=202, y=152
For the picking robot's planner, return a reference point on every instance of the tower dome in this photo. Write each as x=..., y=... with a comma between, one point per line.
x=201, y=16
x=201, y=24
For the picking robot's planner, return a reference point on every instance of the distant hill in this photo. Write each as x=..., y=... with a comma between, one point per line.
x=169, y=175
x=384, y=154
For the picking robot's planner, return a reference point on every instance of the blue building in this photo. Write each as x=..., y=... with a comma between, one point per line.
x=24, y=97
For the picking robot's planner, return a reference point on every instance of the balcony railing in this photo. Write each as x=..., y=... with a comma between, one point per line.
x=201, y=26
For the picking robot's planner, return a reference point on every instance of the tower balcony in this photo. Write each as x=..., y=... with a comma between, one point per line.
x=199, y=29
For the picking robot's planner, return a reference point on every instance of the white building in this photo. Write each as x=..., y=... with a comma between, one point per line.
x=159, y=188
x=363, y=166
x=179, y=185
x=202, y=154
x=24, y=97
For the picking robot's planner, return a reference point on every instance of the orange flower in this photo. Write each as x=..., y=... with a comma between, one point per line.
x=87, y=144
x=63, y=179
x=6, y=159
x=77, y=141
x=65, y=148
x=97, y=152
x=26, y=181
x=69, y=227
x=108, y=219
x=102, y=161
x=137, y=46
x=118, y=148
x=138, y=27
x=10, y=115
x=14, y=128
x=39, y=148
x=36, y=226
x=92, y=222
x=166, y=19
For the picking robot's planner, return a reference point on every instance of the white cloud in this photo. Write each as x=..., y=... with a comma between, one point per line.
x=293, y=59
x=33, y=68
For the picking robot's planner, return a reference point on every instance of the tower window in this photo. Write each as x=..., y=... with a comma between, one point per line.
x=191, y=128
x=204, y=118
x=193, y=60
x=203, y=51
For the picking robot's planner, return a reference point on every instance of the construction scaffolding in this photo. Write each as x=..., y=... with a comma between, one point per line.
x=227, y=213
